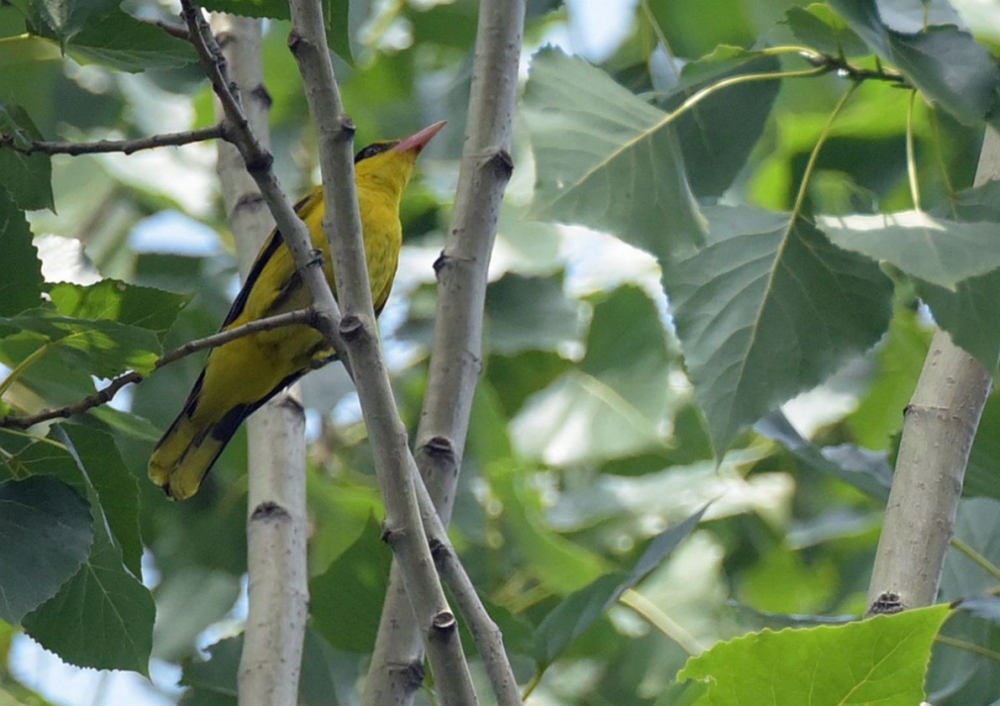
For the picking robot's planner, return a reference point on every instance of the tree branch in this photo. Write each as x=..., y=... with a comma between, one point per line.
x=456, y=359
x=106, y=394
x=172, y=139
x=277, y=578
x=394, y=464
x=941, y=423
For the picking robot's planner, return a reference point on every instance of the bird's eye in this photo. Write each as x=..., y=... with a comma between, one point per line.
x=372, y=150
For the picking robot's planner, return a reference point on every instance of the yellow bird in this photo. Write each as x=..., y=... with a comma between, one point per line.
x=242, y=375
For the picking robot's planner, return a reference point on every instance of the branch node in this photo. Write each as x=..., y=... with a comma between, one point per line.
x=887, y=603
x=389, y=535
x=413, y=674
x=261, y=94
x=440, y=449
x=351, y=327
x=261, y=163
x=268, y=511
x=444, y=624
x=502, y=163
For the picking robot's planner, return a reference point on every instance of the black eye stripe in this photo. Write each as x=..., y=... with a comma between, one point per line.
x=373, y=149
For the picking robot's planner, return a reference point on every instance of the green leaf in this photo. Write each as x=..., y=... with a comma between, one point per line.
x=939, y=251
x=881, y=660
x=101, y=347
x=115, y=486
x=62, y=19
x=113, y=300
x=605, y=159
x=558, y=564
x=612, y=405
x=945, y=63
x=101, y=618
x=27, y=178
x=21, y=280
x=45, y=534
x=768, y=310
x=818, y=27
x=528, y=313
x=716, y=147
x=866, y=470
x=981, y=477
x=122, y=42
x=346, y=600
x=575, y=614
x=970, y=313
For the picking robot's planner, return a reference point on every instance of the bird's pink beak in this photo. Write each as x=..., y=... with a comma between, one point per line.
x=418, y=140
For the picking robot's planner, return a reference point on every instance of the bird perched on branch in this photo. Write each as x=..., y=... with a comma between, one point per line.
x=243, y=374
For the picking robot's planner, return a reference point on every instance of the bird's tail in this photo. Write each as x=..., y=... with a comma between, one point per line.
x=184, y=455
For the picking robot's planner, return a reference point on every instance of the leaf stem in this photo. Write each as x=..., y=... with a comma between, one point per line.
x=661, y=621
x=173, y=139
x=968, y=647
x=814, y=155
x=911, y=160
x=976, y=557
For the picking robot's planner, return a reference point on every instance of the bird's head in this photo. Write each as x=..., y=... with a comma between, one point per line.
x=391, y=163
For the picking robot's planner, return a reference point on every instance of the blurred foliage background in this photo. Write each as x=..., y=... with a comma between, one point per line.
x=586, y=438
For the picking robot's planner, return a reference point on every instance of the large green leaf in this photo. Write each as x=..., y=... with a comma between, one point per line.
x=767, y=310
x=45, y=534
x=101, y=618
x=716, y=147
x=102, y=347
x=113, y=300
x=943, y=252
x=881, y=660
x=27, y=178
x=21, y=274
x=606, y=159
x=62, y=19
x=122, y=42
x=114, y=485
x=944, y=62
x=818, y=27
x=528, y=313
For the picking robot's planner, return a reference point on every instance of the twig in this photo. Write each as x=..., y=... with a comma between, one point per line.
x=457, y=354
x=173, y=139
x=106, y=394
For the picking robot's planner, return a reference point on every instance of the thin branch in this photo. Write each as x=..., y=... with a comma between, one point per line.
x=171, y=28
x=940, y=425
x=173, y=139
x=106, y=394
x=394, y=464
x=259, y=163
x=456, y=360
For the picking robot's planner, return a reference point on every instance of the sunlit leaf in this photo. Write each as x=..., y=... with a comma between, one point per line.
x=881, y=660
x=936, y=250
